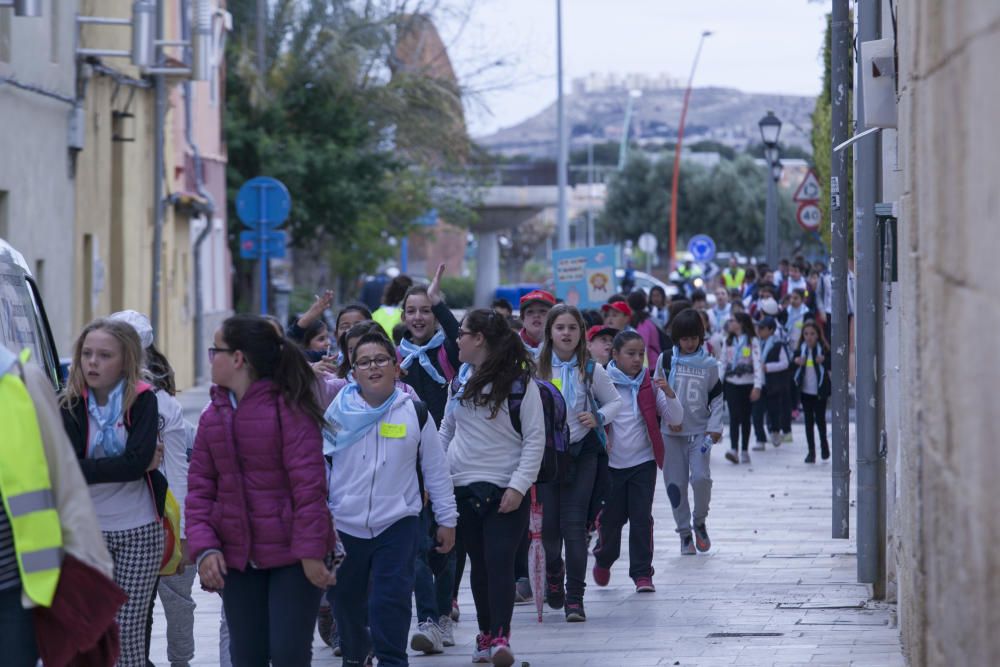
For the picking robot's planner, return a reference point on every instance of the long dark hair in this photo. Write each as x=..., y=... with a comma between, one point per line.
x=746, y=324
x=506, y=362
x=820, y=336
x=161, y=373
x=396, y=290
x=545, y=357
x=352, y=308
x=275, y=358
x=637, y=302
x=356, y=331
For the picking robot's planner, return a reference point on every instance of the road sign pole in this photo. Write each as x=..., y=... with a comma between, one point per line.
x=262, y=234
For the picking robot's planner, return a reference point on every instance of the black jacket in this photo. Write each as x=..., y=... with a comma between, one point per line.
x=433, y=393
x=141, y=424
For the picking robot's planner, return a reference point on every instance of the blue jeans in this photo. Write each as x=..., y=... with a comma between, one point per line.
x=432, y=593
x=386, y=562
x=17, y=631
x=271, y=614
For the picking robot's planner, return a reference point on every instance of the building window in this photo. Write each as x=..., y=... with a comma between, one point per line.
x=5, y=33
x=55, y=36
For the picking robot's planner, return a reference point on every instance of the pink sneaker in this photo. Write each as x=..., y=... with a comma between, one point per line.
x=644, y=585
x=500, y=652
x=481, y=654
x=602, y=575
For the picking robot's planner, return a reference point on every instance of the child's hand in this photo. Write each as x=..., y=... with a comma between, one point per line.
x=321, y=303
x=714, y=436
x=675, y=429
x=819, y=358
x=665, y=387
x=587, y=419
x=434, y=289
x=755, y=395
x=799, y=361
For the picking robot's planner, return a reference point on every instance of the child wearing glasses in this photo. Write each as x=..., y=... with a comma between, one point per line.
x=258, y=525
x=377, y=437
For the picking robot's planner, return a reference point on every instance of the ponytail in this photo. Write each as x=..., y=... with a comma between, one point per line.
x=274, y=357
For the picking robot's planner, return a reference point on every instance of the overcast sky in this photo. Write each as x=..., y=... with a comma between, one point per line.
x=758, y=46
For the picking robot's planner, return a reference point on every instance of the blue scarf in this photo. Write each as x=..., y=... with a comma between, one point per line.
x=465, y=372
x=569, y=377
x=768, y=346
x=416, y=352
x=697, y=359
x=621, y=380
x=349, y=418
x=738, y=344
x=107, y=417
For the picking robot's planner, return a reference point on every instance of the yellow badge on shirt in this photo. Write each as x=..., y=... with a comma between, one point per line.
x=809, y=363
x=798, y=325
x=746, y=352
x=392, y=430
x=557, y=383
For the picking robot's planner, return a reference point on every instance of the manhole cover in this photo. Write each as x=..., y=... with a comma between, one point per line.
x=791, y=555
x=715, y=635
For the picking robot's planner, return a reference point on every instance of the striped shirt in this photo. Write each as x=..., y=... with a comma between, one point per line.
x=9, y=576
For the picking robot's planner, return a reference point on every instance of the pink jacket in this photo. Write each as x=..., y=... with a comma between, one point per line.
x=257, y=482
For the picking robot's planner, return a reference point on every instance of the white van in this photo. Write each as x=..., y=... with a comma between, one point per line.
x=23, y=323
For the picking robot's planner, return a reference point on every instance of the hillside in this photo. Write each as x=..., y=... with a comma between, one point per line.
x=723, y=114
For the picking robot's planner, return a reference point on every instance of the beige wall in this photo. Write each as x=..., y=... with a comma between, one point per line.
x=950, y=240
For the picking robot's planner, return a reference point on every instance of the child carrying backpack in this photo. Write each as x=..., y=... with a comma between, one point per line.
x=635, y=451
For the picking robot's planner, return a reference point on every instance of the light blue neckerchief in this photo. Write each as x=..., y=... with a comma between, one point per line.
x=106, y=438
x=465, y=372
x=697, y=359
x=533, y=351
x=738, y=346
x=618, y=377
x=768, y=346
x=349, y=418
x=569, y=376
x=795, y=315
x=416, y=352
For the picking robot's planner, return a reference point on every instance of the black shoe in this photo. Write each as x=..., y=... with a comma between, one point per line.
x=575, y=612
x=555, y=591
x=825, y=452
x=811, y=456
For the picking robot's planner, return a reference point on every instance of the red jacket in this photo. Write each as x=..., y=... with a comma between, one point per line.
x=257, y=482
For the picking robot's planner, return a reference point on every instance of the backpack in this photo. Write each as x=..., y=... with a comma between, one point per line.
x=556, y=456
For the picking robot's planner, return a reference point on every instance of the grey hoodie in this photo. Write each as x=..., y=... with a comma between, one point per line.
x=700, y=392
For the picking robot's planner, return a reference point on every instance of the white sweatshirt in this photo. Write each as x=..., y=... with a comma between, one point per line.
x=373, y=483
x=628, y=438
x=481, y=449
x=176, y=435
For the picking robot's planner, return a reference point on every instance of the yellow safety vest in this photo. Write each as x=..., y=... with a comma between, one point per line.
x=388, y=317
x=734, y=281
x=26, y=490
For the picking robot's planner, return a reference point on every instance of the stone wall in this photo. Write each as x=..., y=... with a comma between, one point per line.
x=950, y=241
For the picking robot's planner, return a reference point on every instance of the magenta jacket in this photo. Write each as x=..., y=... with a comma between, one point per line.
x=257, y=482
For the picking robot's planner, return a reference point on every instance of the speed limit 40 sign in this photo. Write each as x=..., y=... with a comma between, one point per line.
x=809, y=216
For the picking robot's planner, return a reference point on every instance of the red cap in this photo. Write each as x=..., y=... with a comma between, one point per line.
x=620, y=306
x=600, y=330
x=537, y=296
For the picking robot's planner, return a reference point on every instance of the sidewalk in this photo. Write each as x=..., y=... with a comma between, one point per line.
x=774, y=590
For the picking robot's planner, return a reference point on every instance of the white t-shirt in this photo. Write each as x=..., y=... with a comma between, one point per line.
x=121, y=505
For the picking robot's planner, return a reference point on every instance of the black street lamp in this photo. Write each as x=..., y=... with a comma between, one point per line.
x=770, y=130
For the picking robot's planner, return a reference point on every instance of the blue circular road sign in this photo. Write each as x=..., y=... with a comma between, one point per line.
x=702, y=248
x=263, y=202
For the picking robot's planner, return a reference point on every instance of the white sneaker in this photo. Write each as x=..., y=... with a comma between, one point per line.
x=447, y=628
x=744, y=456
x=427, y=638
x=776, y=439
x=481, y=651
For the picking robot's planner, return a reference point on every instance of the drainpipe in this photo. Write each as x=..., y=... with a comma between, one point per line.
x=203, y=22
x=159, y=111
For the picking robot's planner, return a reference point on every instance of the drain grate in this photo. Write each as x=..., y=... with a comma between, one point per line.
x=844, y=622
x=791, y=555
x=821, y=605
x=722, y=635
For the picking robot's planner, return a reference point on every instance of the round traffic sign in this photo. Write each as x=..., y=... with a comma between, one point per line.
x=647, y=243
x=702, y=248
x=809, y=216
x=263, y=202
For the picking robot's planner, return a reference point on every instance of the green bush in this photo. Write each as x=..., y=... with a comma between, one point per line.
x=459, y=292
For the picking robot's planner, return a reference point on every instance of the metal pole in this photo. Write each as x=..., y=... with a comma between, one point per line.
x=262, y=247
x=675, y=181
x=840, y=83
x=867, y=304
x=590, y=194
x=771, y=221
x=563, y=223
x=159, y=112
x=626, y=126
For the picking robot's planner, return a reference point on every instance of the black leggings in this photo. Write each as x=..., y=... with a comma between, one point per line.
x=738, y=399
x=815, y=412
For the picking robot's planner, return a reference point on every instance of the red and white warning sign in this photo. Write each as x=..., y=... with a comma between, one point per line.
x=809, y=216
x=808, y=190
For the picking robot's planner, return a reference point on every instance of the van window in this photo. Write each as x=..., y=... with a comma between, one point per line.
x=22, y=322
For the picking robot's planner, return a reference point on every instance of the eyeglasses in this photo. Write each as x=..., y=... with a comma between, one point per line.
x=212, y=351
x=462, y=332
x=377, y=362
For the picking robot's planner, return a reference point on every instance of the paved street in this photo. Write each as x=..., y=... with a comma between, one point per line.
x=774, y=590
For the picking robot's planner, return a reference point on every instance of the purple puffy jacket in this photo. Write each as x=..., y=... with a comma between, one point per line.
x=257, y=482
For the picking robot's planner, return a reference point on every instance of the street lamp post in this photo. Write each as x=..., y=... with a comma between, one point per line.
x=770, y=129
x=677, y=156
x=562, y=227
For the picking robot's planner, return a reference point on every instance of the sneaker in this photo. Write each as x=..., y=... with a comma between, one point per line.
x=555, y=593
x=522, y=591
x=447, y=628
x=644, y=585
x=455, y=613
x=602, y=575
x=745, y=456
x=731, y=456
x=759, y=447
x=776, y=439
x=325, y=625
x=701, y=539
x=811, y=457
x=825, y=452
x=481, y=653
x=687, y=546
x=500, y=653
x=575, y=612
x=787, y=438
x=427, y=638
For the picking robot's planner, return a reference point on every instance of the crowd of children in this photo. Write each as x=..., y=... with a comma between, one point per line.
x=344, y=472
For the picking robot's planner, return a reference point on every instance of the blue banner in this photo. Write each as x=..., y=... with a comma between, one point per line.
x=585, y=277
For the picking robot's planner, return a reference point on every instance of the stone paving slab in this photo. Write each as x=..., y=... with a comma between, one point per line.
x=770, y=527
